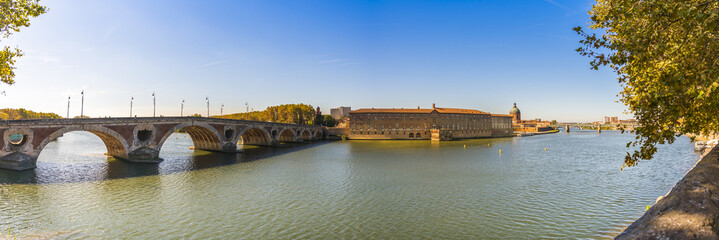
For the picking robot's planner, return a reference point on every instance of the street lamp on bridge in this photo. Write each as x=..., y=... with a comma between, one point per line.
x=68, y=106
x=208, y=106
x=131, y=98
x=221, y=108
x=154, y=106
x=82, y=104
x=182, y=107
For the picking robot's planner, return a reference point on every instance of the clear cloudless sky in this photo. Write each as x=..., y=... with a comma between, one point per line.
x=465, y=54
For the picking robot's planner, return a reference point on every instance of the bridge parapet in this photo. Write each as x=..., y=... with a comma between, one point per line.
x=141, y=139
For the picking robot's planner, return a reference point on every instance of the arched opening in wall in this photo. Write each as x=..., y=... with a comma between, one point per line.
x=306, y=136
x=255, y=136
x=287, y=136
x=229, y=133
x=418, y=135
x=411, y=135
x=202, y=138
x=76, y=146
x=144, y=135
x=318, y=135
x=178, y=145
x=189, y=142
x=17, y=140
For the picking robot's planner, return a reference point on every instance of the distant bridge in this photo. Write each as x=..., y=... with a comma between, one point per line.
x=592, y=126
x=140, y=139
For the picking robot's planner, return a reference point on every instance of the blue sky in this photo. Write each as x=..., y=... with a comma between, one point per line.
x=466, y=54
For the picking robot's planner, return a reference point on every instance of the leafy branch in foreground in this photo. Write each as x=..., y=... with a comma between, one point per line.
x=665, y=55
x=14, y=14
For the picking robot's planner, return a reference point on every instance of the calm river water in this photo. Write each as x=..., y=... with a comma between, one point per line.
x=343, y=189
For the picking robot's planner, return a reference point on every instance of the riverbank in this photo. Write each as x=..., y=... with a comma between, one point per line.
x=688, y=211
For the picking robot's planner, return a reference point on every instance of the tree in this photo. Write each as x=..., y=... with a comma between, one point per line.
x=553, y=122
x=14, y=14
x=13, y=114
x=329, y=121
x=286, y=113
x=665, y=55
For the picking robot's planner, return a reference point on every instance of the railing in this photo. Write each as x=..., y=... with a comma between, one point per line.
x=135, y=119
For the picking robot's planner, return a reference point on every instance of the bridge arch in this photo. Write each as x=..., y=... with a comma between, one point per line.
x=287, y=135
x=114, y=142
x=254, y=136
x=306, y=135
x=203, y=135
x=318, y=134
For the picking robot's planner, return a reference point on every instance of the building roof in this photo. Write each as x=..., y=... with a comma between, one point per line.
x=514, y=109
x=418, y=110
x=501, y=115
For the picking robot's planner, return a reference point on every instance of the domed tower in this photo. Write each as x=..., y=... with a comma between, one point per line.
x=516, y=114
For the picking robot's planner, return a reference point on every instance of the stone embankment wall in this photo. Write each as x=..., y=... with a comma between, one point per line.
x=689, y=211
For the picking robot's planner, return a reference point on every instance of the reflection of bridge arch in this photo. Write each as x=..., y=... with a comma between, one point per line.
x=203, y=135
x=255, y=136
x=287, y=135
x=116, y=145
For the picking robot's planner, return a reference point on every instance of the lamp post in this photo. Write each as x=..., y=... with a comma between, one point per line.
x=208, y=106
x=131, y=98
x=68, y=106
x=153, y=104
x=221, y=108
x=182, y=107
x=82, y=104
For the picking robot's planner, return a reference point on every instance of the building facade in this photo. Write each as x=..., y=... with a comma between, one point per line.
x=444, y=123
x=519, y=125
x=340, y=112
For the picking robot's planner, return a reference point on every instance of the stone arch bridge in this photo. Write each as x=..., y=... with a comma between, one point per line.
x=140, y=139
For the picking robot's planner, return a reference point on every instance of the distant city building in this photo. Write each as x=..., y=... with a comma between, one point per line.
x=606, y=120
x=340, y=112
x=435, y=123
x=519, y=125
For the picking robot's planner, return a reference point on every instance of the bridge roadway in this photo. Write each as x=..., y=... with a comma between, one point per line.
x=140, y=139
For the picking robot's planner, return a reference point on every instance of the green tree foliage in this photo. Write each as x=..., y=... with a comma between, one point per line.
x=14, y=14
x=286, y=113
x=16, y=114
x=665, y=55
x=553, y=122
x=196, y=115
x=329, y=121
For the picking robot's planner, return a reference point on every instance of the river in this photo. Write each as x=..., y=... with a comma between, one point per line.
x=343, y=189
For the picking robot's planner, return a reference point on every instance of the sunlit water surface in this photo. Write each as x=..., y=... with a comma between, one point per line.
x=343, y=189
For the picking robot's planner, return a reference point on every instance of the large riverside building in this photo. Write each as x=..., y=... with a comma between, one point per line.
x=519, y=125
x=435, y=123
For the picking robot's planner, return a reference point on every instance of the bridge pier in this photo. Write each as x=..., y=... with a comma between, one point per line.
x=143, y=154
x=566, y=128
x=18, y=161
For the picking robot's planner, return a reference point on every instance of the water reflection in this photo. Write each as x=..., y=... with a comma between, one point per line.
x=350, y=189
x=79, y=157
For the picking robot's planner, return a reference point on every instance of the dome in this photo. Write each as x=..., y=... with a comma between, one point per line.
x=514, y=109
